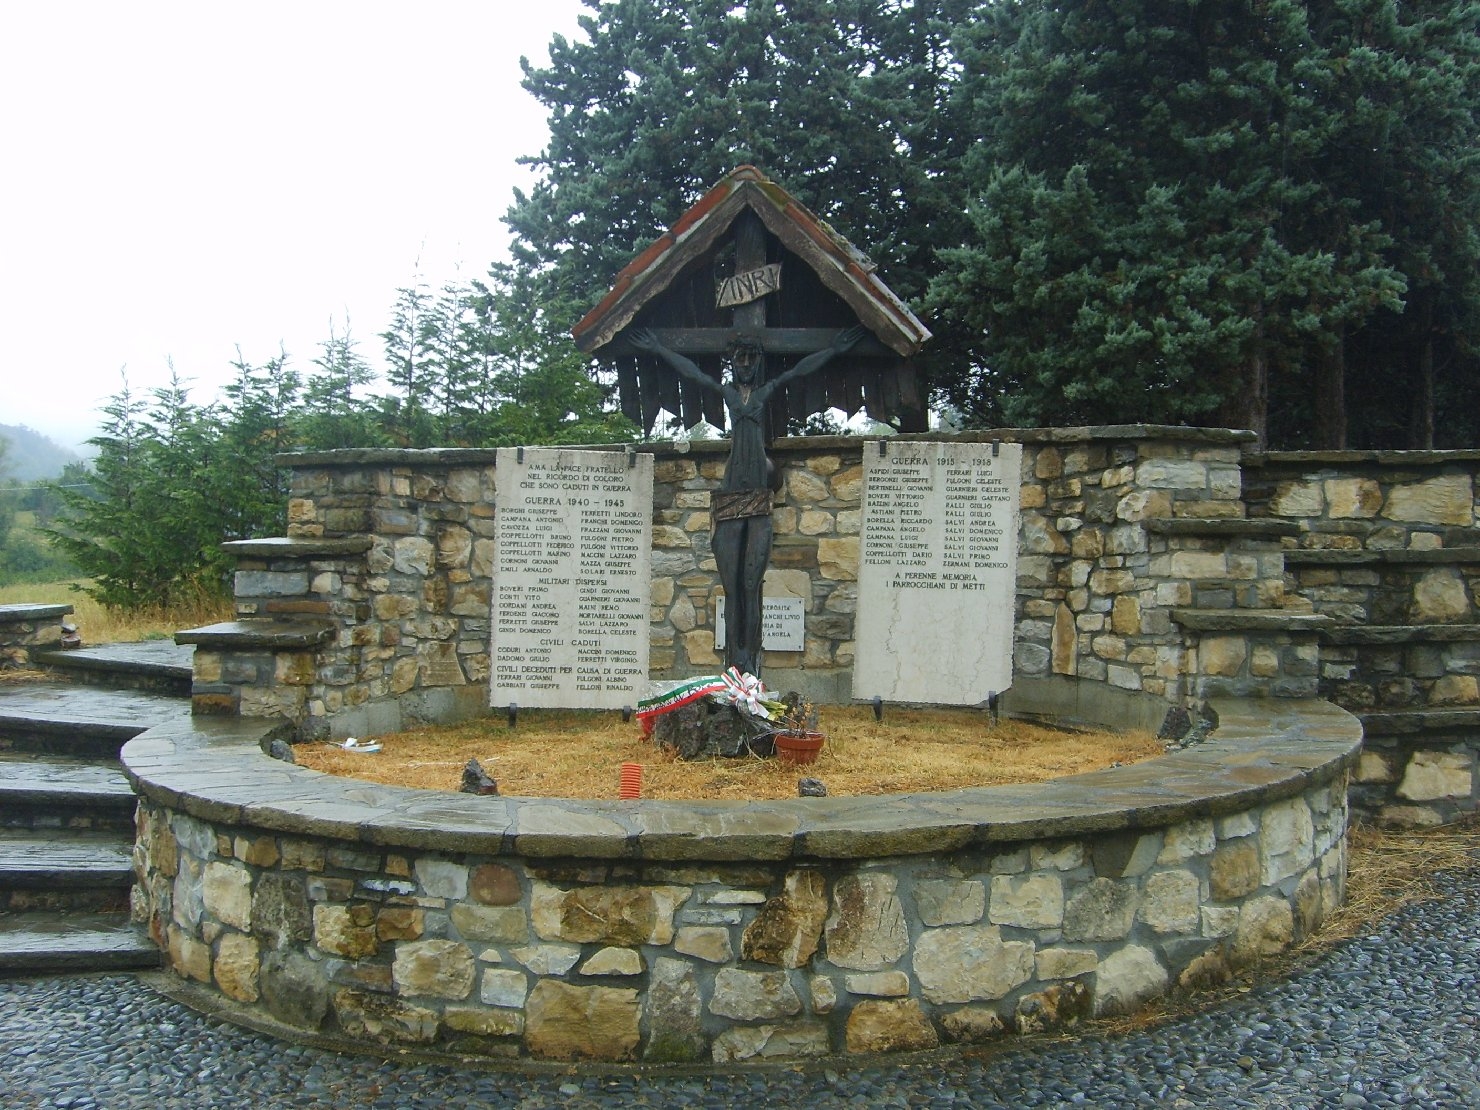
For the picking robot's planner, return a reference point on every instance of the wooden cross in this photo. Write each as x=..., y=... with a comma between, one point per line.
x=750, y=317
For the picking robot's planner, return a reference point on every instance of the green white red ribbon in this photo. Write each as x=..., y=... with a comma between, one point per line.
x=745, y=692
x=686, y=692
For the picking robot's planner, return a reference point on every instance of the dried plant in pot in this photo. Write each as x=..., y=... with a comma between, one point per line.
x=797, y=737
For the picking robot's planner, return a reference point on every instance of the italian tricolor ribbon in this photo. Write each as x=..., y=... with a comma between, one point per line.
x=690, y=690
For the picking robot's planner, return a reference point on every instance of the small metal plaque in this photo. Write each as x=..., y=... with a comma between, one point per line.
x=783, y=624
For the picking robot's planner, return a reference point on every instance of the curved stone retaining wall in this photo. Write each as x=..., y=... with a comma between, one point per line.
x=666, y=932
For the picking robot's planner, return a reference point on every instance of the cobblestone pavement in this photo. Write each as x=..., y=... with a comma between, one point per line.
x=1391, y=1019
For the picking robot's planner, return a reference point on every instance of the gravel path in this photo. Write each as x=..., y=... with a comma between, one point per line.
x=1389, y=1020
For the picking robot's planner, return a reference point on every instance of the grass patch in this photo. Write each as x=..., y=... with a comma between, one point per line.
x=579, y=755
x=101, y=625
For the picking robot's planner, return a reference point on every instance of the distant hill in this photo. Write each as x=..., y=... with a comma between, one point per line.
x=30, y=456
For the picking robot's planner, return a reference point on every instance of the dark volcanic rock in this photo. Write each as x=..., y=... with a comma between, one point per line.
x=475, y=780
x=706, y=730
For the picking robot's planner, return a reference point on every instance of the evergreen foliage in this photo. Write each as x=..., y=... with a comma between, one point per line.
x=1165, y=226
x=848, y=103
x=172, y=481
x=1137, y=210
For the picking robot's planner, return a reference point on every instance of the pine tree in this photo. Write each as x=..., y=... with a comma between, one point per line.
x=406, y=412
x=537, y=387
x=1408, y=91
x=118, y=531
x=334, y=413
x=1159, y=232
x=847, y=104
x=249, y=489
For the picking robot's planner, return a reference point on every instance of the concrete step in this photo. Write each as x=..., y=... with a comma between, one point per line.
x=38, y=943
x=75, y=870
x=63, y=718
x=60, y=792
x=161, y=666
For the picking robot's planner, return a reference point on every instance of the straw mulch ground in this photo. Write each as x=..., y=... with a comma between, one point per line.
x=579, y=755
x=23, y=674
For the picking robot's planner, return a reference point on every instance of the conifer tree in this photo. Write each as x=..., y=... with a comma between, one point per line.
x=406, y=411
x=1159, y=231
x=845, y=102
x=335, y=412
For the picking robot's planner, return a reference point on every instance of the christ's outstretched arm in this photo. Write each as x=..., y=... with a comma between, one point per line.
x=645, y=341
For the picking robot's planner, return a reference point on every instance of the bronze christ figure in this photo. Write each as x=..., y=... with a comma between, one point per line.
x=741, y=507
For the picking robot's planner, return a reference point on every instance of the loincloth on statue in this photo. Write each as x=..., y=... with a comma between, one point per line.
x=738, y=504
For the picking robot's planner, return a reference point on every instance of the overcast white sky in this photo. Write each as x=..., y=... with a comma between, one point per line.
x=180, y=179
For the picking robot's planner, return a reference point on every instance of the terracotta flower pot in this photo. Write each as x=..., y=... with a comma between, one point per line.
x=799, y=747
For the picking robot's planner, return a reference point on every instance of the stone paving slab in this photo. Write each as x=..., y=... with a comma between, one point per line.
x=1266, y=749
x=29, y=859
x=34, y=942
x=62, y=706
x=1408, y=722
x=146, y=656
x=41, y=778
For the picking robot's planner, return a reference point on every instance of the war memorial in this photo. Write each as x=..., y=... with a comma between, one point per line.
x=1301, y=626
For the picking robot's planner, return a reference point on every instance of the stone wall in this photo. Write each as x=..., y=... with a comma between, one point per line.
x=664, y=932
x=1097, y=587
x=1388, y=549
x=1163, y=561
x=27, y=630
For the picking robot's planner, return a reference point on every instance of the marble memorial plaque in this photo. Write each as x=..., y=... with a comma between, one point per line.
x=783, y=623
x=937, y=575
x=571, y=581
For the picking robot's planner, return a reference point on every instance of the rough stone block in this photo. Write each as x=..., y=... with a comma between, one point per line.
x=866, y=930
x=753, y=995
x=889, y=1026
x=1127, y=977
x=970, y=963
x=565, y=1022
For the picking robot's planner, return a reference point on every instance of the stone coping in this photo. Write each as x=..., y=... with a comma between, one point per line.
x=259, y=632
x=1326, y=558
x=1414, y=722
x=1250, y=620
x=1384, y=458
x=295, y=547
x=1399, y=633
x=1214, y=526
x=24, y=612
x=479, y=456
x=1263, y=750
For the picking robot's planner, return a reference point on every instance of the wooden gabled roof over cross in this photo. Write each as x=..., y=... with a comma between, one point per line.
x=749, y=259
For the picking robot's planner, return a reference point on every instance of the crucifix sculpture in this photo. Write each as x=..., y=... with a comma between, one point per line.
x=750, y=283
x=740, y=509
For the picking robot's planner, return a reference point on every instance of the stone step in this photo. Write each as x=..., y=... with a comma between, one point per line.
x=1409, y=722
x=1250, y=528
x=161, y=666
x=75, y=870
x=37, y=943
x=1391, y=634
x=64, y=718
x=260, y=633
x=1250, y=620
x=1327, y=557
x=58, y=792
